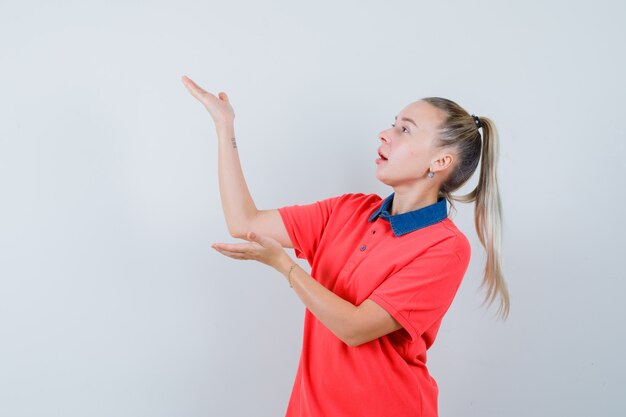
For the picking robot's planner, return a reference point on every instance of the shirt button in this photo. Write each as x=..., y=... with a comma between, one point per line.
x=363, y=247
x=373, y=231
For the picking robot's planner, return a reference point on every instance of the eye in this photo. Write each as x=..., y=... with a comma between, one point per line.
x=404, y=129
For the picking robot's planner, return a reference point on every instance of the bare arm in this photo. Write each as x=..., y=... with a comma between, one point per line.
x=242, y=215
x=239, y=208
x=240, y=212
x=354, y=325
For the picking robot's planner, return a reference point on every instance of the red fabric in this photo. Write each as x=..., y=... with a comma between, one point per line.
x=414, y=277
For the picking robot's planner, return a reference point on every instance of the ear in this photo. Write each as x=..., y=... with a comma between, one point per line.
x=442, y=162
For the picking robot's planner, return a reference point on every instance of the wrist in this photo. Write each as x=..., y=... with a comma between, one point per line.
x=286, y=268
x=224, y=125
x=284, y=264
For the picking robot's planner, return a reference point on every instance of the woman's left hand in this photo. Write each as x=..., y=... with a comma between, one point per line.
x=261, y=248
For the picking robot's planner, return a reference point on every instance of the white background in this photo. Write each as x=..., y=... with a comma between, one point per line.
x=112, y=302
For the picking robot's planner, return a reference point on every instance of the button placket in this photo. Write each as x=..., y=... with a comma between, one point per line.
x=360, y=250
x=367, y=239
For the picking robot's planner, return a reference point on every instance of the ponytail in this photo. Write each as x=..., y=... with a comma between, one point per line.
x=488, y=217
x=459, y=131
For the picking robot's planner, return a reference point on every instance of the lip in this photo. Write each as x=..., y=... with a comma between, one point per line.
x=380, y=159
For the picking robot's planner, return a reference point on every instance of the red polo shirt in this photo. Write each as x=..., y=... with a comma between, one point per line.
x=411, y=264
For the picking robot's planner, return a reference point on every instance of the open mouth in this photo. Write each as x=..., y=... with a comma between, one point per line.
x=382, y=156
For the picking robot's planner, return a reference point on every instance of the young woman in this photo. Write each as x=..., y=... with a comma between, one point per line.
x=384, y=272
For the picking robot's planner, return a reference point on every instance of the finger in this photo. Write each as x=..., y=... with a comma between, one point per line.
x=252, y=237
x=227, y=252
x=194, y=88
x=260, y=239
x=237, y=247
x=235, y=255
x=233, y=248
x=191, y=83
x=245, y=249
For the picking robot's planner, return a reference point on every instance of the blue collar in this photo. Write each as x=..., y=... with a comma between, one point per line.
x=408, y=222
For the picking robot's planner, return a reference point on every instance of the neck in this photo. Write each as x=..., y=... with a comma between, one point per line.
x=405, y=201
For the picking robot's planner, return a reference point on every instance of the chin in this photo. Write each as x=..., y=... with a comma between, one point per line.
x=381, y=178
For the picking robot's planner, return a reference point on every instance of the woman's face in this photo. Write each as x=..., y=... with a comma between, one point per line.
x=408, y=145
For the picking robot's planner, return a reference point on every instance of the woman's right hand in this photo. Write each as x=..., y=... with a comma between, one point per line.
x=219, y=107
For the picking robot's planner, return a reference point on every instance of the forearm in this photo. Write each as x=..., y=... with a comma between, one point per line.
x=237, y=202
x=337, y=314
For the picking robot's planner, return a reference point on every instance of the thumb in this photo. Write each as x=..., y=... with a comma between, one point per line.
x=222, y=95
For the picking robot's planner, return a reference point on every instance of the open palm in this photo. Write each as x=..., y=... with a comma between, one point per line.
x=218, y=106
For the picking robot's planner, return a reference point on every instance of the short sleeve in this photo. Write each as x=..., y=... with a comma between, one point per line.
x=419, y=294
x=305, y=225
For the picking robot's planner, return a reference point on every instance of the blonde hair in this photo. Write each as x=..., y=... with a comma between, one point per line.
x=460, y=133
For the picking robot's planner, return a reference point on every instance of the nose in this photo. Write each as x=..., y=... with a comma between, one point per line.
x=382, y=137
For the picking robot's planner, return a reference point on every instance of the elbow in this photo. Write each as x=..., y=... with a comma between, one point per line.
x=350, y=342
x=237, y=235
x=240, y=230
x=353, y=339
x=354, y=342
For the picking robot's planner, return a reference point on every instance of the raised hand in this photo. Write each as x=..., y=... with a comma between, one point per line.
x=218, y=106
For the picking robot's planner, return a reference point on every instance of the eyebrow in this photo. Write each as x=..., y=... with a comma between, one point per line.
x=406, y=119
